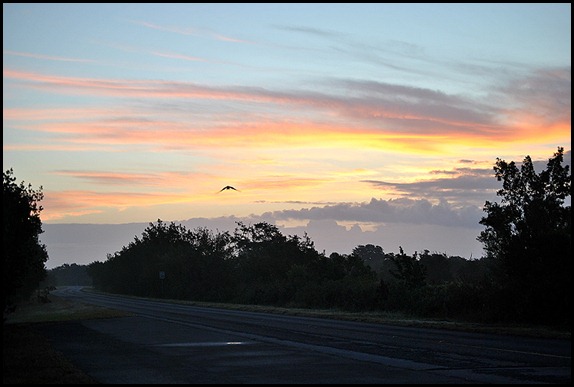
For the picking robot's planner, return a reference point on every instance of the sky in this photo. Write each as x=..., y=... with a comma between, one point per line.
x=356, y=123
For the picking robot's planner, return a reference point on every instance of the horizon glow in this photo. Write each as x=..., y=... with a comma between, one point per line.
x=131, y=113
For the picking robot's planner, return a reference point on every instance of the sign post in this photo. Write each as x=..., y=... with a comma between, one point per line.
x=161, y=278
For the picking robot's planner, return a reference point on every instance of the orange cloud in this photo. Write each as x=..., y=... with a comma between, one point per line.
x=64, y=204
x=177, y=135
x=174, y=179
x=264, y=134
x=64, y=114
x=418, y=120
x=286, y=182
x=60, y=204
x=542, y=129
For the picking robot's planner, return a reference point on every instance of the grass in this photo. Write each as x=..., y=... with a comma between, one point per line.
x=28, y=357
x=394, y=318
x=59, y=309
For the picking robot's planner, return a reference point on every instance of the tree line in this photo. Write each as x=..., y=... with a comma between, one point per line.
x=257, y=264
x=523, y=277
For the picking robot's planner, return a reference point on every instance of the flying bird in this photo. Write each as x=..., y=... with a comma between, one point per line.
x=228, y=187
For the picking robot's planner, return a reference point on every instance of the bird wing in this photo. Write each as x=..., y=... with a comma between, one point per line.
x=228, y=187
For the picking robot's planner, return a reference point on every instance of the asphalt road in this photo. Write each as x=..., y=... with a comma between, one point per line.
x=174, y=343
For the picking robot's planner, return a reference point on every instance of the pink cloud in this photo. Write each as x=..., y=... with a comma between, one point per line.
x=179, y=56
x=174, y=179
x=374, y=115
x=60, y=204
x=46, y=57
x=190, y=31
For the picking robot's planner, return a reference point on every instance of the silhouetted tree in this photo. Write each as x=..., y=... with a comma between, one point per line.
x=376, y=259
x=369, y=252
x=267, y=263
x=437, y=267
x=409, y=269
x=192, y=262
x=24, y=256
x=528, y=234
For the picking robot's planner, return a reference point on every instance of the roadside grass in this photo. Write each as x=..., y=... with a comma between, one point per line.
x=59, y=309
x=390, y=318
x=28, y=357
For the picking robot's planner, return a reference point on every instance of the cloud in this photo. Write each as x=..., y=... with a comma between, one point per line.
x=331, y=34
x=329, y=236
x=58, y=114
x=72, y=203
x=463, y=185
x=321, y=203
x=192, y=31
x=281, y=182
x=86, y=243
x=179, y=56
x=150, y=179
x=46, y=57
x=134, y=128
x=402, y=211
x=386, y=54
x=396, y=112
x=545, y=94
x=351, y=114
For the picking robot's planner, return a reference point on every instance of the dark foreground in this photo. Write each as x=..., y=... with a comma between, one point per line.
x=28, y=358
x=29, y=355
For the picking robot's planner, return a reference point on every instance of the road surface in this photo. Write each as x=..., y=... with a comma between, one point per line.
x=172, y=343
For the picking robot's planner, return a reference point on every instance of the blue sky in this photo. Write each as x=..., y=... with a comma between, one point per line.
x=340, y=115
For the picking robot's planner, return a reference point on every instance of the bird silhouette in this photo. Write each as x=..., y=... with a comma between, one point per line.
x=228, y=187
